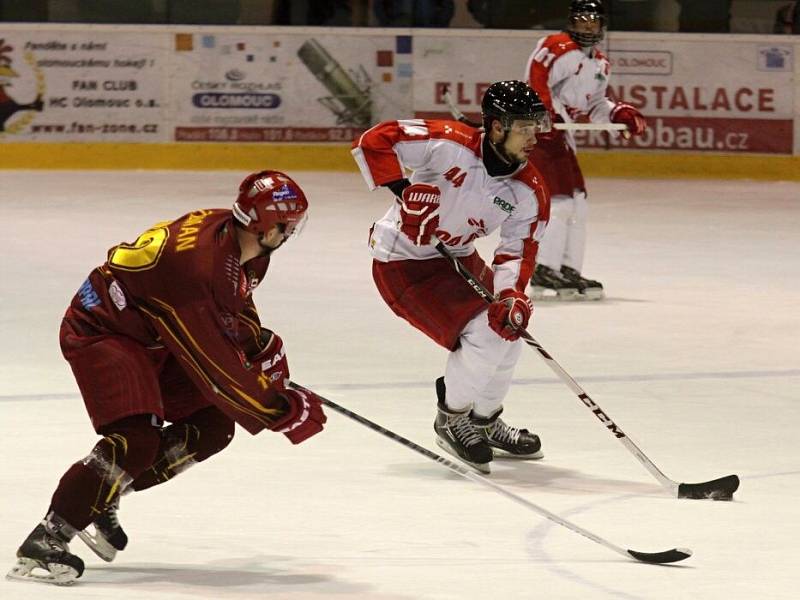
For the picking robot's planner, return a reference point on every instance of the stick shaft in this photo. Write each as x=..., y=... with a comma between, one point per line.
x=467, y=474
x=460, y=116
x=480, y=289
x=591, y=126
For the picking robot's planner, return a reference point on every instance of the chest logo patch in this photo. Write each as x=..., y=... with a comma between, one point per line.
x=504, y=206
x=117, y=295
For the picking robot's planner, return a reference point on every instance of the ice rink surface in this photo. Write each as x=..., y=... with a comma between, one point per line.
x=694, y=354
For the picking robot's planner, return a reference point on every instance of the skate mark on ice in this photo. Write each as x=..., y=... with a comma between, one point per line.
x=536, y=549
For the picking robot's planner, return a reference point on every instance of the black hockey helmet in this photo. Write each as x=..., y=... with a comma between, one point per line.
x=586, y=11
x=513, y=100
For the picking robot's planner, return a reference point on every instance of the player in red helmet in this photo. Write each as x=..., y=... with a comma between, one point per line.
x=166, y=331
x=267, y=199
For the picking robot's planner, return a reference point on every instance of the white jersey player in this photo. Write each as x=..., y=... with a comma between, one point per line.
x=465, y=184
x=570, y=74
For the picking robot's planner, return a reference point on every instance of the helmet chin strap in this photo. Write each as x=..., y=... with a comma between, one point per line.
x=267, y=250
x=500, y=149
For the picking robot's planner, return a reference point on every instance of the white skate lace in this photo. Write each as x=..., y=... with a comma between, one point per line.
x=465, y=431
x=504, y=433
x=56, y=544
x=112, y=517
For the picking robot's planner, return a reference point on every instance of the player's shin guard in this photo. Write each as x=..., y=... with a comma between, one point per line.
x=185, y=444
x=92, y=484
x=89, y=491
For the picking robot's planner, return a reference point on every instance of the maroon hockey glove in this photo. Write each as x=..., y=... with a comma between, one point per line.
x=509, y=314
x=419, y=212
x=628, y=115
x=305, y=417
x=272, y=360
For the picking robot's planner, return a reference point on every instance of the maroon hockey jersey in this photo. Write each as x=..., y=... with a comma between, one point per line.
x=180, y=286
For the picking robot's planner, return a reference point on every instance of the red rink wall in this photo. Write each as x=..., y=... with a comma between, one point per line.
x=209, y=97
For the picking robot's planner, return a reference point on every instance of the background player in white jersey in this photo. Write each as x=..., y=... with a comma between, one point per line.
x=465, y=184
x=570, y=74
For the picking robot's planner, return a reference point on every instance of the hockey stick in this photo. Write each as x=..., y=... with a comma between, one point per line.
x=460, y=116
x=591, y=126
x=667, y=556
x=717, y=489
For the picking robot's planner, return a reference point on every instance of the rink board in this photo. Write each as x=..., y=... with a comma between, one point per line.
x=197, y=97
x=337, y=157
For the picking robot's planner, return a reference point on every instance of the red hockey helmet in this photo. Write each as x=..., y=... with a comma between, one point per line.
x=268, y=198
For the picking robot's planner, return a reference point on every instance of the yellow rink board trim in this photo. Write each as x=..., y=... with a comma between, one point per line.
x=336, y=157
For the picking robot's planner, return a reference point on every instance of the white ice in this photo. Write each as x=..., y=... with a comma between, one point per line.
x=694, y=354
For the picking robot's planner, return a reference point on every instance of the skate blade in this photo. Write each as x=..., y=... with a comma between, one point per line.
x=593, y=294
x=500, y=453
x=484, y=468
x=30, y=570
x=98, y=544
x=546, y=294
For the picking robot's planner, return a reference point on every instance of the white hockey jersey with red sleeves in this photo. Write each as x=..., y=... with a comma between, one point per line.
x=571, y=81
x=473, y=204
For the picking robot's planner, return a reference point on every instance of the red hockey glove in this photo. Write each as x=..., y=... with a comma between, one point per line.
x=305, y=417
x=628, y=115
x=419, y=212
x=509, y=314
x=271, y=361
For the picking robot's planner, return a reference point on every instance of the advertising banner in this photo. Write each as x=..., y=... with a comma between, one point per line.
x=82, y=86
x=263, y=87
x=715, y=95
x=75, y=83
x=705, y=95
x=466, y=66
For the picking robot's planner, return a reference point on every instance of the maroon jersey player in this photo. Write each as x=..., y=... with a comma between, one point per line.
x=166, y=331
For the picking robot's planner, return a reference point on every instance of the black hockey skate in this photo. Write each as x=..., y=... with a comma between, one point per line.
x=506, y=440
x=549, y=283
x=588, y=288
x=108, y=536
x=456, y=434
x=44, y=556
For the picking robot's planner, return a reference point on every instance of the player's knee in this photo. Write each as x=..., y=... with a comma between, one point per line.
x=216, y=438
x=562, y=207
x=581, y=206
x=128, y=445
x=213, y=431
x=481, y=347
x=512, y=354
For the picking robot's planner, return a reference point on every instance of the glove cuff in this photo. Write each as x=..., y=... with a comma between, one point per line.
x=297, y=412
x=398, y=186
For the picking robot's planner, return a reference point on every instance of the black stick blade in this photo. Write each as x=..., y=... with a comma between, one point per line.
x=657, y=558
x=718, y=489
